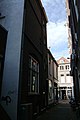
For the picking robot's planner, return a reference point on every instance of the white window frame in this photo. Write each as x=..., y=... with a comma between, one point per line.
x=33, y=75
x=61, y=67
x=67, y=67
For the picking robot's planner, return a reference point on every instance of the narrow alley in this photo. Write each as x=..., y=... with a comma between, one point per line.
x=61, y=111
x=39, y=59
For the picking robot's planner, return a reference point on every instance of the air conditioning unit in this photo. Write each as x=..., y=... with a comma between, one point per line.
x=26, y=111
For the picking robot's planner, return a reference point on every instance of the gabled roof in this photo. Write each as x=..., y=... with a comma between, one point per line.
x=63, y=60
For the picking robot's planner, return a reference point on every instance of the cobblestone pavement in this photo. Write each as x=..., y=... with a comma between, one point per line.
x=61, y=111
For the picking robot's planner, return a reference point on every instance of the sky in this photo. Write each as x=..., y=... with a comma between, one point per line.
x=57, y=37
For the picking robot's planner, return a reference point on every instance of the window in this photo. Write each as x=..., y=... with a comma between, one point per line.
x=33, y=75
x=67, y=67
x=50, y=90
x=44, y=32
x=49, y=65
x=67, y=74
x=61, y=61
x=62, y=75
x=76, y=9
x=61, y=67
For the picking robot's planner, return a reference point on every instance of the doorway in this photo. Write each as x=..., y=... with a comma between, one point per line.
x=63, y=94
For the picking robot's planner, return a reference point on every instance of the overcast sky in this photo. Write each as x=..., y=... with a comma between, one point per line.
x=56, y=30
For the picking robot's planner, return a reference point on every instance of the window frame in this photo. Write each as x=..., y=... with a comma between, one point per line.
x=61, y=67
x=67, y=67
x=33, y=75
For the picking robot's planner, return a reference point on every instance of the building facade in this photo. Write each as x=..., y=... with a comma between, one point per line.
x=34, y=57
x=68, y=28
x=74, y=24
x=65, y=83
x=23, y=59
x=52, y=79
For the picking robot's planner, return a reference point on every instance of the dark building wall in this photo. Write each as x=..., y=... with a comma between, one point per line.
x=75, y=32
x=34, y=43
x=78, y=35
x=33, y=24
x=52, y=79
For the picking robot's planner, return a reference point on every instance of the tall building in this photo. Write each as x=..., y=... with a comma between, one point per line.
x=23, y=59
x=52, y=79
x=74, y=25
x=65, y=83
x=69, y=30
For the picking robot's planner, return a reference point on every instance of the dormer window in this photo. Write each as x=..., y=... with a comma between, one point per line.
x=61, y=61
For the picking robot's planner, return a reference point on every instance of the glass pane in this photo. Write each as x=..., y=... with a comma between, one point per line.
x=34, y=75
x=36, y=84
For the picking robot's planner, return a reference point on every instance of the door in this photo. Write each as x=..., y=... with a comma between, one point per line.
x=63, y=94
